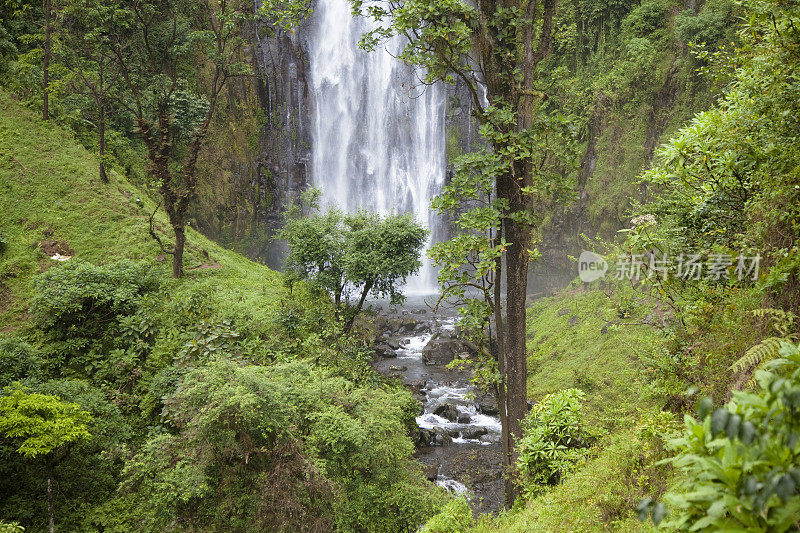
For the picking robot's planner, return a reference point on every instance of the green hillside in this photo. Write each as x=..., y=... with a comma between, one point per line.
x=225, y=365
x=51, y=194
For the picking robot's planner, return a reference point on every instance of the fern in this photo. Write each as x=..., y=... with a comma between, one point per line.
x=762, y=352
x=767, y=350
x=782, y=321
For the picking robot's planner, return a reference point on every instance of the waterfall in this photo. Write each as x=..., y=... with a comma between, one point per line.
x=378, y=133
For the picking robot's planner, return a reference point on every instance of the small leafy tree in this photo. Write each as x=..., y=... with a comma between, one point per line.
x=362, y=251
x=46, y=427
x=381, y=253
x=316, y=246
x=82, y=32
x=155, y=46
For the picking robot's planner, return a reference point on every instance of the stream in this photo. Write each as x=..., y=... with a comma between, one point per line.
x=459, y=431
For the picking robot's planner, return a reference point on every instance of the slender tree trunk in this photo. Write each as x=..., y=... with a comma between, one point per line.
x=51, y=520
x=517, y=258
x=502, y=396
x=180, y=243
x=46, y=7
x=352, y=319
x=101, y=132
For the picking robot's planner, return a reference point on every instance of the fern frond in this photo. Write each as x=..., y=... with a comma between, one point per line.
x=761, y=353
x=782, y=321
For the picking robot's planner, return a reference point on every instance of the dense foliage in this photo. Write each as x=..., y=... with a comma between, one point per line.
x=739, y=463
x=554, y=440
x=232, y=431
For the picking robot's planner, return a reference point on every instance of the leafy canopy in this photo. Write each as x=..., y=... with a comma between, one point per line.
x=44, y=422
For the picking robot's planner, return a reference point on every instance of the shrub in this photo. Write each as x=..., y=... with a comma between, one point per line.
x=81, y=298
x=79, y=308
x=554, y=439
x=18, y=361
x=741, y=463
x=645, y=20
x=455, y=517
x=710, y=27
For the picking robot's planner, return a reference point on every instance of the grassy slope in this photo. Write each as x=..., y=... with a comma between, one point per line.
x=578, y=340
x=49, y=182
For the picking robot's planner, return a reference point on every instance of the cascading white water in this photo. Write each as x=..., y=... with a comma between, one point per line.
x=378, y=136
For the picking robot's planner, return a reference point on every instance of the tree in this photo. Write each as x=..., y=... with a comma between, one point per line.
x=82, y=29
x=316, y=246
x=362, y=251
x=381, y=253
x=47, y=426
x=494, y=48
x=156, y=46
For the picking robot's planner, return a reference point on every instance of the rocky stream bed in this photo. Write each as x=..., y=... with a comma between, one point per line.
x=458, y=442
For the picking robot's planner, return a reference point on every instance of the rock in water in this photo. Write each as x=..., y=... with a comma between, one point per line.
x=384, y=350
x=448, y=411
x=441, y=349
x=431, y=471
x=442, y=438
x=473, y=432
x=488, y=406
x=424, y=438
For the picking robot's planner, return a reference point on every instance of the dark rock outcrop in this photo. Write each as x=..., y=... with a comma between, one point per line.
x=448, y=411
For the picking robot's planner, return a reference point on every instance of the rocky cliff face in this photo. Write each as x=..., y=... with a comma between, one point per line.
x=285, y=132
x=258, y=158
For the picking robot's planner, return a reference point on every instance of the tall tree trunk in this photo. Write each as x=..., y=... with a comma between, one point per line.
x=502, y=396
x=352, y=319
x=180, y=243
x=51, y=520
x=516, y=353
x=46, y=7
x=101, y=132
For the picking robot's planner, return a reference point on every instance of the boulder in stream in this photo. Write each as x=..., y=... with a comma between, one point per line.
x=441, y=438
x=425, y=438
x=441, y=349
x=448, y=411
x=474, y=432
x=488, y=406
x=431, y=471
x=384, y=350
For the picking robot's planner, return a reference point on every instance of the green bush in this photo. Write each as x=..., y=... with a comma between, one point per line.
x=79, y=308
x=645, y=20
x=18, y=361
x=554, y=440
x=81, y=297
x=235, y=432
x=455, y=517
x=711, y=26
x=10, y=527
x=741, y=463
